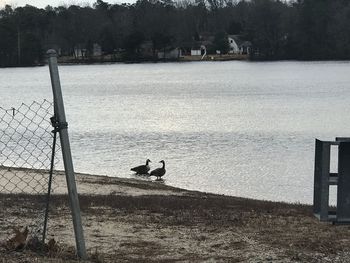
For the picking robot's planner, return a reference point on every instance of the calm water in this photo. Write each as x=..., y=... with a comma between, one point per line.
x=234, y=128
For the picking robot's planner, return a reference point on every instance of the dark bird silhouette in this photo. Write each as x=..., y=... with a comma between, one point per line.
x=159, y=172
x=142, y=169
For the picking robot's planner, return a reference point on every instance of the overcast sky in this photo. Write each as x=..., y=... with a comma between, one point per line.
x=43, y=3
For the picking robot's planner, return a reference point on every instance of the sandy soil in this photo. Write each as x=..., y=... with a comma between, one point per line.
x=138, y=220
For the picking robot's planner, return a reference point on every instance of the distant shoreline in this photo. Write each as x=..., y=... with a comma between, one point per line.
x=111, y=59
x=216, y=58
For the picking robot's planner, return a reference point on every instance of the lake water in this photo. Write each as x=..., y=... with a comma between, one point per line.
x=235, y=128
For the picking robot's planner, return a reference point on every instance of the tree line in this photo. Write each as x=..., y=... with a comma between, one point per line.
x=299, y=29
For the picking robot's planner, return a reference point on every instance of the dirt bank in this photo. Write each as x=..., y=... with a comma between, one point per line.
x=131, y=220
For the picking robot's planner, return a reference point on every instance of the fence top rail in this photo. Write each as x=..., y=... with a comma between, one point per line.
x=342, y=139
x=330, y=142
x=337, y=141
x=25, y=104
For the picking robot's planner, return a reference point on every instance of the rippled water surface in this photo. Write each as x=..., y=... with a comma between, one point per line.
x=234, y=128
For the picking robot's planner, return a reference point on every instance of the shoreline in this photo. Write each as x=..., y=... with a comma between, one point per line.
x=108, y=183
x=149, y=61
x=139, y=220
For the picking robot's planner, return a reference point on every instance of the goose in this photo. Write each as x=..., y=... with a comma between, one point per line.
x=159, y=172
x=142, y=169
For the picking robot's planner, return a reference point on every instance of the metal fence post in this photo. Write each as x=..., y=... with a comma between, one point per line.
x=66, y=153
x=343, y=196
x=321, y=179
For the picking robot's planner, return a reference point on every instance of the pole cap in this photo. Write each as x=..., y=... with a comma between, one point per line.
x=51, y=53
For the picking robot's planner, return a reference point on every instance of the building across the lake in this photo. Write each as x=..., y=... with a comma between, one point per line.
x=205, y=45
x=169, y=53
x=239, y=46
x=198, y=50
x=96, y=50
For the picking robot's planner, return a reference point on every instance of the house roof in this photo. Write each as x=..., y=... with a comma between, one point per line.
x=206, y=40
x=168, y=49
x=239, y=41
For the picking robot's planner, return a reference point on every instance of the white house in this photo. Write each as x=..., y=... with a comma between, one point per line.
x=234, y=48
x=199, y=51
x=79, y=52
x=195, y=52
x=238, y=46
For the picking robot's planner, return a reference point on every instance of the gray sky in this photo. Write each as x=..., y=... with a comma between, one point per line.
x=43, y=3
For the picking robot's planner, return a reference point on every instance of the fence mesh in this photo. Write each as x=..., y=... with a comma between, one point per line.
x=26, y=144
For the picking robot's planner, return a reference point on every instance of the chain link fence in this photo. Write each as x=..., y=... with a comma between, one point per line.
x=26, y=143
x=28, y=140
